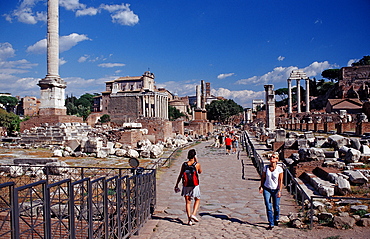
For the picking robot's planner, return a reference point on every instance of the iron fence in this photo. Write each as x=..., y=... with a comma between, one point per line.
x=75, y=202
x=305, y=201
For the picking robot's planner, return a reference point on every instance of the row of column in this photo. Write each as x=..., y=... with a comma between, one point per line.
x=290, y=108
x=155, y=106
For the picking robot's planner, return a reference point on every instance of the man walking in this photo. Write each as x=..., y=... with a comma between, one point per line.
x=228, y=142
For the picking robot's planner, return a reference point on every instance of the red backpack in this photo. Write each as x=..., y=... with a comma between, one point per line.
x=190, y=175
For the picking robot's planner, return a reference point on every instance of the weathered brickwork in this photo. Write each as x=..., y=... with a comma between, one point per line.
x=200, y=127
x=345, y=127
x=131, y=137
x=37, y=121
x=159, y=128
x=122, y=109
x=178, y=127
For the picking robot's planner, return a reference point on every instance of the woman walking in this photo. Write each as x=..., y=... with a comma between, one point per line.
x=189, y=175
x=271, y=186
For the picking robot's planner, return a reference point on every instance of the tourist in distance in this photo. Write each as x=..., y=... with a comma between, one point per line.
x=235, y=143
x=228, y=142
x=271, y=186
x=190, y=190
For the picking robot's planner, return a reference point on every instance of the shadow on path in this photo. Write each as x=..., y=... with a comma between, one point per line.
x=174, y=220
x=231, y=219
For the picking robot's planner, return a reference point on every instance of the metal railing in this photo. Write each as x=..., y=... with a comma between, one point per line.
x=290, y=183
x=305, y=201
x=77, y=203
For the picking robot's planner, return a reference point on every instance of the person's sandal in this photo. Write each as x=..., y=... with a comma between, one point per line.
x=194, y=218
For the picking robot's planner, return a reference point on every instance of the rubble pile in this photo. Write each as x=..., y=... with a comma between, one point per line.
x=81, y=140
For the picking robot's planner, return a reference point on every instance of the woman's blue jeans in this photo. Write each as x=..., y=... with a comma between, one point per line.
x=272, y=202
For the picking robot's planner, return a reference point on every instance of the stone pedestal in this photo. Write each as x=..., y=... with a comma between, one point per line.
x=38, y=121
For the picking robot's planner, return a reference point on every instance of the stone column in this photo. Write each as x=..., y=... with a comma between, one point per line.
x=307, y=95
x=290, y=96
x=143, y=106
x=166, y=107
x=298, y=96
x=203, y=95
x=53, y=39
x=270, y=106
x=198, y=97
x=52, y=95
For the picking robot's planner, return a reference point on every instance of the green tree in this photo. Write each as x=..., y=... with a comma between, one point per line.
x=331, y=74
x=9, y=102
x=282, y=92
x=82, y=106
x=104, y=119
x=222, y=110
x=174, y=113
x=86, y=100
x=364, y=61
x=10, y=121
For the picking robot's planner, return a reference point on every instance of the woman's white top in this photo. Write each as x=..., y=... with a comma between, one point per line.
x=272, y=178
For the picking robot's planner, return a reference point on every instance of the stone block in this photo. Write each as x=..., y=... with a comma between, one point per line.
x=343, y=222
x=356, y=177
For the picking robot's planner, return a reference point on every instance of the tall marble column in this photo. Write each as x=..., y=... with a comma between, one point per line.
x=198, y=94
x=298, y=96
x=290, y=96
x=270, y=106
x=307, y=95
x=52, y=86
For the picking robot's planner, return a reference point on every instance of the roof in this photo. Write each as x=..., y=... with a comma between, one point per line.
x=337, y=104
x=126, y=78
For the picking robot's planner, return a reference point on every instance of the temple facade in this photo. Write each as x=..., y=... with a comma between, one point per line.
x=127, y=99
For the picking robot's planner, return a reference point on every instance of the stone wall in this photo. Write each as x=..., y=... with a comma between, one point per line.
x=302, y=167
x=178, y=127
x=200, y=127
x=158, y=129
x=124, y=109
x=39, y=120
x=363, y=127
x=345, y=127
x=93, y=118
x=131, y=137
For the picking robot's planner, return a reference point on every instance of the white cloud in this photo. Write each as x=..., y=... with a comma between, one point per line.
x=21, y=64
x=87, y=12
x=6, y=51
x=65, y=43
x=121, y=14
x=71, y=4
x=349, y=63
x=223, y=76
x=25, y=14
x=180, y=88
x=241, y=97
x=318, y=21
x=281, y=74
x=79, y=86
x=109, y=65
x=281, y=58
x=83, y=58
x=38, y=48
x=316, y=68
x=62, y=61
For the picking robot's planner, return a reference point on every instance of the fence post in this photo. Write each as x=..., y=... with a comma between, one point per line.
x=71, y=210
x=47, y=216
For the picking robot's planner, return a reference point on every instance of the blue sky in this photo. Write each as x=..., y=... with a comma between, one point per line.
x=236, y=45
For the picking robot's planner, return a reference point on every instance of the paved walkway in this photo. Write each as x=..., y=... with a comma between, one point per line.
x=231, y=206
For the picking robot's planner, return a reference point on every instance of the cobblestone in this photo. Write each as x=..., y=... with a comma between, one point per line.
x=231, y=206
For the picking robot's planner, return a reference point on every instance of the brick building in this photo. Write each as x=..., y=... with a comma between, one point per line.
x=127, y=99
x=28, y=106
